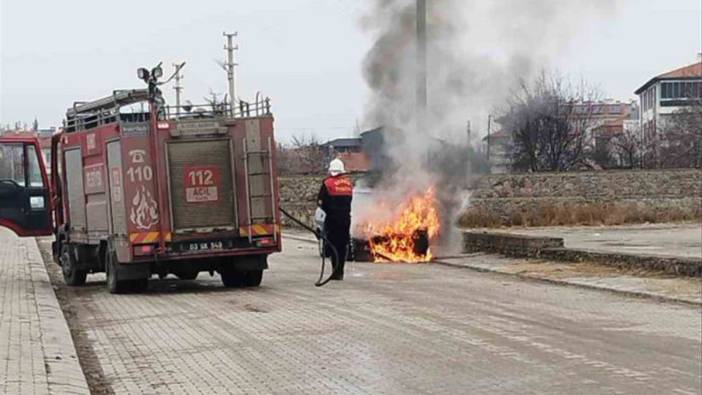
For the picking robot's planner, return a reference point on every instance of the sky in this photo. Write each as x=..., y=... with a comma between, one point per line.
x=306, y=55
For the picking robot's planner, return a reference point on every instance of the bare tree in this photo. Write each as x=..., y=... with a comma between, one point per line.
x=550, y=120
x=628, y=147
x=602, y=152
x=304, y=155
x=681, y=137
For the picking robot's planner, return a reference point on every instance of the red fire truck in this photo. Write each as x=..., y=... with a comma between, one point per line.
x=139, y=188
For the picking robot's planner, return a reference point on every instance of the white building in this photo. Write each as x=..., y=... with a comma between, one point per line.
x=666, y=94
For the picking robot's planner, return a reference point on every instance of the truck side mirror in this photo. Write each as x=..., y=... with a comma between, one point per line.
x=25, y=205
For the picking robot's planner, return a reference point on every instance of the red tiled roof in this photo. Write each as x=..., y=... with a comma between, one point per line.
x=693, y=70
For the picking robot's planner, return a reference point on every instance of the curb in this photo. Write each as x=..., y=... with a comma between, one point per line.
x=563, y=283
x=60, y=356
x=299, y=238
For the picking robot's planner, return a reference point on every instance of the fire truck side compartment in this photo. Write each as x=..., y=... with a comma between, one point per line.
x=76, y=199
x=118, y=216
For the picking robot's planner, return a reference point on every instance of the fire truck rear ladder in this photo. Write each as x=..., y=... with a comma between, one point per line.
x=266, y=171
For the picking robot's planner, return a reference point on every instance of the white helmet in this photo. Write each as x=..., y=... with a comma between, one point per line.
x=336, y=167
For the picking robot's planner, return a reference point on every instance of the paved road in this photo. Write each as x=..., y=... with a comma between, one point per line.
x=387, y=329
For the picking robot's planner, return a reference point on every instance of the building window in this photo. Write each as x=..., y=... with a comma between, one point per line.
x=678, y=93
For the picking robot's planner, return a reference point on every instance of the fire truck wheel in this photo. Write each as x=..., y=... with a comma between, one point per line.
x=253, y=278
x=114, y=284
x=232, y=278
x=71, y=275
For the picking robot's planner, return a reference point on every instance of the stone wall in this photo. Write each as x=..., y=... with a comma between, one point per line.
x=509, y=244
x=651, y=192
x=500, y=197
x=298, y=196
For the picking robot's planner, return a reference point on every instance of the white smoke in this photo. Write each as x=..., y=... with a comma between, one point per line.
x=477, y=52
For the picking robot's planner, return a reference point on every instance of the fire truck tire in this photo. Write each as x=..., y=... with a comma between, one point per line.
x=253, y=278
x=117, y=286
x=232, y=278
x=114, y=286
x=71, y=274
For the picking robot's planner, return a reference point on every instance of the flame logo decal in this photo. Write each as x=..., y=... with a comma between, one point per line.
x=144, y=212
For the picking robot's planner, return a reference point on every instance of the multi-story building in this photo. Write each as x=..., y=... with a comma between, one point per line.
x=604, y=119
x=664, y=95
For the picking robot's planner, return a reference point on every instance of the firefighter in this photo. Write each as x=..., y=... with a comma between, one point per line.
x=335, y=199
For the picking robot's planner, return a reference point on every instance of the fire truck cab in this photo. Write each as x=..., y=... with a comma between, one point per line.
x=139, y=188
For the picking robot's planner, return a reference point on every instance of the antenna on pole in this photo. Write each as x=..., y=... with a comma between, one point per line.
x=229, y=68
x=178, y=87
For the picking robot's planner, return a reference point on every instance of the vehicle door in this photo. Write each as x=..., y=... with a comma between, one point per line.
x=24, y=188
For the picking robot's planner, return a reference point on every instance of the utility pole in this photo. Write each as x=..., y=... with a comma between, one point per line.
x=421, y=65
x=178, y=88
x=229, y=67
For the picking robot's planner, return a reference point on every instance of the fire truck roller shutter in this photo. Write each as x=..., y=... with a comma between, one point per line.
x=76, y=197
x=201, y=184
x=118, y=217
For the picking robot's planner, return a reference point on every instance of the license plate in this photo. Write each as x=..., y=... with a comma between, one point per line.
x=205, y=246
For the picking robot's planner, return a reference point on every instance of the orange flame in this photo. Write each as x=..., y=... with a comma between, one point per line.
x=395, y=241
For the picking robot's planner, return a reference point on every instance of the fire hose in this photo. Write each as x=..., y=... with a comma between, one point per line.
x=320, y=236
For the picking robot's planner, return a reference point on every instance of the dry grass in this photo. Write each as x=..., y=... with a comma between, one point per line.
x=588, y=214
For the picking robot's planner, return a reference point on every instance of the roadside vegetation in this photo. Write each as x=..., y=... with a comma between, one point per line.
x=572, y=214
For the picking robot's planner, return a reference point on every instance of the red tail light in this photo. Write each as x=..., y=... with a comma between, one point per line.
x=143, y=250
x=265, y=242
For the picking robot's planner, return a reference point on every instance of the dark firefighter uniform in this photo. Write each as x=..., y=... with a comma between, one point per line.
x=335, y=199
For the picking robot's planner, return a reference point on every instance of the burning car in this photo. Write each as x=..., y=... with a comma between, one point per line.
x=404, y=234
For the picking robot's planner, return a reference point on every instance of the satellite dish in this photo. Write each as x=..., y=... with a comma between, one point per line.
x=188, y=106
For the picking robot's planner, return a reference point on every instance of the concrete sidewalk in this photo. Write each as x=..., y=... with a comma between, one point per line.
x=676, y=240
x=37, y=354
x=586, y=275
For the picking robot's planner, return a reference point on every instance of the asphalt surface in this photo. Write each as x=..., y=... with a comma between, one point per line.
x=392, y=328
